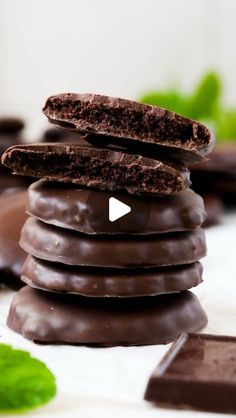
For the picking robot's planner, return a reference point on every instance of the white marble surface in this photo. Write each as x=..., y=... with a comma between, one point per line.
x=110, y=382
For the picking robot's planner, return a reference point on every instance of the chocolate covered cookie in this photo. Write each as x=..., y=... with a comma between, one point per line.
x=87, y=211
x=9, y=182
x=69, y=247
x=214, y=208
x=52, y=318
x=10, y=125
x=119, y=121
x=57, y=134
x=97, y=168
x=10, y=129
x=221, y=160
x=12, y=218
x=56, y=277
x=218, y=175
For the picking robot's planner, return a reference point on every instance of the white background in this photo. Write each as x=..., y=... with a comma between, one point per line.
x=118, y=47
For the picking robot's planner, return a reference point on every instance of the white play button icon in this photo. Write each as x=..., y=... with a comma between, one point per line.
x=117, y=213
x=117, y=209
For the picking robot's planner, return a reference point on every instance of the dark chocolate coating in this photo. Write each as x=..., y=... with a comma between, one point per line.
x=221, y=160
x=57, y=134
x=8, y=181
x=87, y=211
x=69, y=247
x=218, y=175
x=128, y=122
x=7, y=141
x=197, y=373
x=12, y=218
x=53, y=318
x=217, y=183
x=96, y=282
x=99, y=168
x=214, y=208
x=10, y=125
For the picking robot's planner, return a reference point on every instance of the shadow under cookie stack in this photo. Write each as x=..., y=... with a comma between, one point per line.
x=93, y=280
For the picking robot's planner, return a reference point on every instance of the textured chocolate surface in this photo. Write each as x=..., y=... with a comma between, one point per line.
x=60, y=245
x=97, y=168
x=198, y=373
x=109, y=282
x=53, y=318
x=12, y=218
x=127, y=122
x=87, y=211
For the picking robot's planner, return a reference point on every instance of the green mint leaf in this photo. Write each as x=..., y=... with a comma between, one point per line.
x=226, y=125
x=25, y=382
x=204, y=105
x=170, y=99
x=206, y=98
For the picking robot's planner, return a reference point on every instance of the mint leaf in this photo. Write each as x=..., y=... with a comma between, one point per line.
x=206, y=98
x=170, y=99
x=226, y=126
x=203, y=104
x=25, y=382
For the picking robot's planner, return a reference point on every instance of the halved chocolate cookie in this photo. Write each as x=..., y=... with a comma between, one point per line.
x=128, y=123
x=97, y=168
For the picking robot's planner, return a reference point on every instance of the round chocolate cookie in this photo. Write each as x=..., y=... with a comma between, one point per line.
x=214, y=207
x=217, y=176
x=221, y=160
x=217, y=183
x=70, y=247
x=57, y=134
x=11, y=125
x=109, y=282
x=52, y=318
x=9, y=129
x=12, y=218
x=7, y=141
x=10, y=183
x=87, y=211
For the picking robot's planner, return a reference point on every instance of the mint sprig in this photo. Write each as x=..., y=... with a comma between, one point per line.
x=204, y=103
x=205, y=100
x=25, y=382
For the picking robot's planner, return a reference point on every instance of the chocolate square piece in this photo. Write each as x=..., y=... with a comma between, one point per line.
x=198, y=372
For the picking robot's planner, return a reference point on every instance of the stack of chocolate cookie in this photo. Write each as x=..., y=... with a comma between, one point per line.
x=99, y=279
